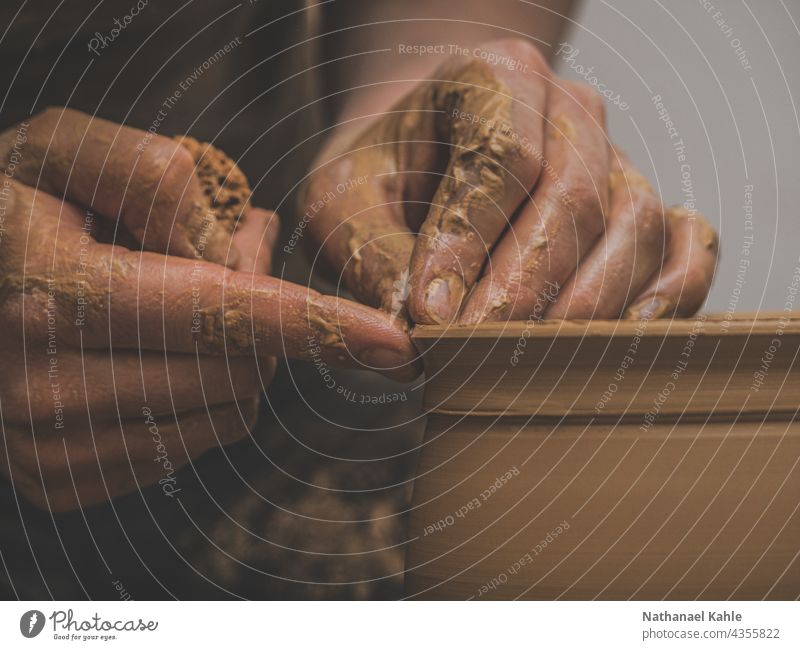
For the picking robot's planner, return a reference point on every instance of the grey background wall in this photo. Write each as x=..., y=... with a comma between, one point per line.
x=728, y=77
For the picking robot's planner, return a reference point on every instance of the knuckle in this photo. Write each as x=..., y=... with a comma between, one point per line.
x=584, y=195
x=179, y=166
x=45, y=121
x=586, y=99
x=44, y=125
x=328, y=180
x=586, y=94
x=584, y=200
x=167, y=162
x=518, y=48
x=650, y=223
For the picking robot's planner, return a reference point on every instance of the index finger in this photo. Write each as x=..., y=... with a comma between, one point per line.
x=493, y=121
x=150, y=301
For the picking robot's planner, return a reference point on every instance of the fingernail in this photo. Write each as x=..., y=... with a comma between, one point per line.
x=391, y=363
x=649, y=308
x=382, y=358
x=443, y=298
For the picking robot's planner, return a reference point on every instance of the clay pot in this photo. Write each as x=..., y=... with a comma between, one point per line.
x=611, y=460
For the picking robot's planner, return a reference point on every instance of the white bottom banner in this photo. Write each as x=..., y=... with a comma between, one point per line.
x=388, y=625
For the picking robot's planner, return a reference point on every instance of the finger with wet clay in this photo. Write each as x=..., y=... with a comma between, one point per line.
x=468, y=125
x=492, y=120
x=566, y=216
x=353, y=209
x=681, y=285
x=103, y=295
x=620, y=263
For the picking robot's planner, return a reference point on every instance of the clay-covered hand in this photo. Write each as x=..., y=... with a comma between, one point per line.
x=491, y=192
x=121, y=365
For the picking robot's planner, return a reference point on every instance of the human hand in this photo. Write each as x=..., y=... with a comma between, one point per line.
x=491, y=192
x=120, y=365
